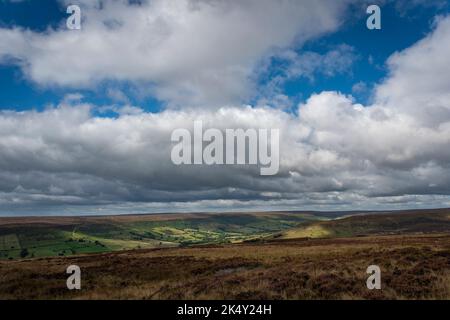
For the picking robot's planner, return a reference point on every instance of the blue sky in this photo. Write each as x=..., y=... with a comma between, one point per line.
x=86, y=116
x=18, y=93
x=372, y=48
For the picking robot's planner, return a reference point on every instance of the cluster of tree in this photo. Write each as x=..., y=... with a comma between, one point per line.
x=24, y=252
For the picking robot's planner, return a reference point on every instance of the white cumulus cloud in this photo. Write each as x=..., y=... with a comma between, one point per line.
x=187, y=52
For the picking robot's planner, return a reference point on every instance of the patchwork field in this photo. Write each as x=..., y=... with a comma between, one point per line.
x=229, y=256
x=63, y=236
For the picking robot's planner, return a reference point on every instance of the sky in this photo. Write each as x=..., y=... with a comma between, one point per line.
x=86, y=115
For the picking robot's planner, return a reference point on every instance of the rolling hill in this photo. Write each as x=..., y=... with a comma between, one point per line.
x=279, y=255
x=402, y=222
x=32, y=237
x=61, y=236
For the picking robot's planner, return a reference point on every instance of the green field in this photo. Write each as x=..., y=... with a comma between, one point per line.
x=64, y=237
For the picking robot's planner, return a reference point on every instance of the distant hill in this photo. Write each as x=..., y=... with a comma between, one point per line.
x=22, y=237
x=401, y=222
x=32, y=237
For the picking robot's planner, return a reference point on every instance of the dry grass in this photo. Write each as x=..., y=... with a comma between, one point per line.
x=413, y=267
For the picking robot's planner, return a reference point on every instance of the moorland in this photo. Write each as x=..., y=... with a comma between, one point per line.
x=282, y=255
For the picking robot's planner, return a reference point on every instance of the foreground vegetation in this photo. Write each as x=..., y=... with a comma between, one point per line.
x=412, y=267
